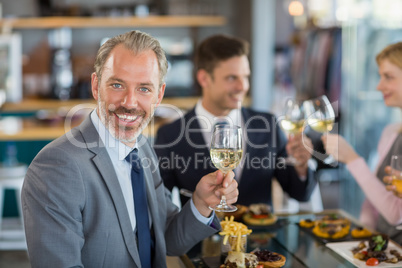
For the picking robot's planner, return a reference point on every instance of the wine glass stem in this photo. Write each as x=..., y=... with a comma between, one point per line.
x=223, y=197
x=223, y=200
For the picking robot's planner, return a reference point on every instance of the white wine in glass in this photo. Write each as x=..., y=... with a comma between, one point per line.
x=321, y=125
x=226, y=159
x=226, y=153
x=396, y=172
x=292, y=122
x=320, y=114
x=321, y=118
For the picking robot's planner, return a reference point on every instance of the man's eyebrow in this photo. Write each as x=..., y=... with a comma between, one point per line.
x=146, y=84
x=114, y=79
x=118, y=80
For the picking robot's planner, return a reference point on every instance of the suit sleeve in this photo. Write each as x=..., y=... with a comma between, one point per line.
x=165, y=163
x=181, y=229
x=52, y=199
x=185, y=230
x=287, y=176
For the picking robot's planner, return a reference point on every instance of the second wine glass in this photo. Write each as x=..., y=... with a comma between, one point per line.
x=226, y=153
x=292, y=122
x=321, y=118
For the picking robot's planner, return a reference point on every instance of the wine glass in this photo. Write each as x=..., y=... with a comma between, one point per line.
x=321, y=118
x=226, y=153
x=396, y=172
x=292, y=122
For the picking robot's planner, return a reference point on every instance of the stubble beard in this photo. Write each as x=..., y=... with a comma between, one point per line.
x=122, y=132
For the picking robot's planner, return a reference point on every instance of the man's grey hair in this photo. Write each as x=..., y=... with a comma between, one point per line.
x=137, y=42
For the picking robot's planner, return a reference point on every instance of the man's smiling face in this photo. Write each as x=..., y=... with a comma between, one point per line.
x=128, y=92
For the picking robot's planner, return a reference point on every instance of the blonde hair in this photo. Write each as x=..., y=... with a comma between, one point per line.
x=137, y=42
x=393, y=53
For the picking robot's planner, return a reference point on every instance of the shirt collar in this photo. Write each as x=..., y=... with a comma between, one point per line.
x=205, y=117
x=114, y=147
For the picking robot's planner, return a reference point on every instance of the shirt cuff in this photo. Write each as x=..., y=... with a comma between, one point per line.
x=197, y=214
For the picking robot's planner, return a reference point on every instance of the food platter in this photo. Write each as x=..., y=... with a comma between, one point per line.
x=344, y=250
x=345, y=237
x=328, y=240
x=243, y=215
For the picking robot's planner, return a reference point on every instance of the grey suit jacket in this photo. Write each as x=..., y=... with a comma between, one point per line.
x=75, y=214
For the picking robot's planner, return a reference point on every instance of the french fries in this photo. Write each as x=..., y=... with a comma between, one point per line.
x=235, y=233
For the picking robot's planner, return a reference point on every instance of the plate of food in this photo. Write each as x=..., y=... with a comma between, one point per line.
x=269, y=259
x=258, y=259
x=375, y=251
x=333, y=228
x=259, y=215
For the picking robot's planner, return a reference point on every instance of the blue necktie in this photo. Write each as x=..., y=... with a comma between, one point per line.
x=141, y=208
x=221, y=123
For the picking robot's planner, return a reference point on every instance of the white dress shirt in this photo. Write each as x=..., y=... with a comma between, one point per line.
x=207, y=122
x=118, y=152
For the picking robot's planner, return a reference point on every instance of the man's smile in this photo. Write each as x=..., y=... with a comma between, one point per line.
x=127, y=118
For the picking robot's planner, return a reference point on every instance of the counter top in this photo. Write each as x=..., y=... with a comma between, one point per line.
x=97, y=22
x=31, y=129
x=28, y=105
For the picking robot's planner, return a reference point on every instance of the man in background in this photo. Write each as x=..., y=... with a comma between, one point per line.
x=223, y=72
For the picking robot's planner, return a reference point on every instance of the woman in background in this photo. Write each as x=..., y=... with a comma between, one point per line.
x=382, y=209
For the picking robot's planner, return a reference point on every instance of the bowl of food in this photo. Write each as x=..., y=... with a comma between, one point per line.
x=234, y=235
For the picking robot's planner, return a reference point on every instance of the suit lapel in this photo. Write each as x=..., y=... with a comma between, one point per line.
x=248, y=150
x=196, y=135
x=107, y=174
x=253, y=137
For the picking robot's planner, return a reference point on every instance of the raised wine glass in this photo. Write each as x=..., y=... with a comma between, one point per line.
x=396, y=172
x=292, y=122
x=321, y=118
x=226, y=153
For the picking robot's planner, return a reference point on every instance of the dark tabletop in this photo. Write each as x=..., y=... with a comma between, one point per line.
x=300, y=247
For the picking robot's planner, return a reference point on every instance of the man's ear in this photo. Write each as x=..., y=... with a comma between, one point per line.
x=94, y=85
x=161, y=93
x=203, y=78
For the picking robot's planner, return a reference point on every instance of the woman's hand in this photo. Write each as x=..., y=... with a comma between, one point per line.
x=388, y=181
x=339, y=148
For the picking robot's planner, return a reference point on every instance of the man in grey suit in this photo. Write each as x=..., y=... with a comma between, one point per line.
x=77, y=195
